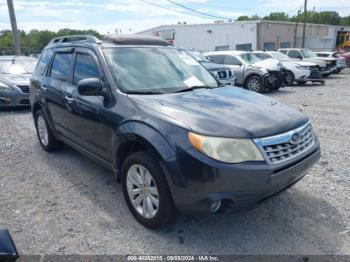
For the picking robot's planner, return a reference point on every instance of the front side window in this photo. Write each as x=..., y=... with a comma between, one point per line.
x=250, y=58
x=308, y=53
x=280, y=57
x=61, y=65
x=230, y=60
x=85, y=67
x=156, y=70
x=294, y=54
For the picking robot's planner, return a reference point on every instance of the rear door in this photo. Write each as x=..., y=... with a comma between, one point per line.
x=59, y=79
x=89, y=128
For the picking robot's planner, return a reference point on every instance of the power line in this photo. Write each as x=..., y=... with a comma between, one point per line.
x=175, y=11
x=220, y=6
x=198, y=12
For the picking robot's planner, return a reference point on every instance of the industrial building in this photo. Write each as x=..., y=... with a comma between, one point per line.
x=248, y=35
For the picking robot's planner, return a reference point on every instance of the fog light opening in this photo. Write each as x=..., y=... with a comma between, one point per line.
x=215, y=206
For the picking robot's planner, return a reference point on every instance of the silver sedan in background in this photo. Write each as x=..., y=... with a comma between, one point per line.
x=15, y=72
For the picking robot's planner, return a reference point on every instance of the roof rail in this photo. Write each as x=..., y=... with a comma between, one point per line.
x=75, y=38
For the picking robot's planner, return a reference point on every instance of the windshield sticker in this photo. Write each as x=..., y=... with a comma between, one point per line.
x=193, y=81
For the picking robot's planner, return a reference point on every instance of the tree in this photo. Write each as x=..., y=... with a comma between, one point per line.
x=277, y=16
x=247, y=18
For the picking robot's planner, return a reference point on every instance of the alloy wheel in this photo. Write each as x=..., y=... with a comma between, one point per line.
x=42, y=130
x=254, y=85
x=142, y=191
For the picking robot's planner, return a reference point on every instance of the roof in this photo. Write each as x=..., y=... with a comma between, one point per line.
x=113, y=39
x=122, y=39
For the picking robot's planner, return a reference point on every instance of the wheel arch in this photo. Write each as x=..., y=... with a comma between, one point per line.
x=136, y=136
x=251, y=75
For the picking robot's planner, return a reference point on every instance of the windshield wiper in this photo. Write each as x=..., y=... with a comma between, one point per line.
x=143, y=93
x=192, y=88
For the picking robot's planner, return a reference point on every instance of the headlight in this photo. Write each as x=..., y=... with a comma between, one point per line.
x=4, y=87
x=228, y=150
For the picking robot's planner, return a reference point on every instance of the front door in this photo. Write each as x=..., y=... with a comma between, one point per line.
x=85, y=111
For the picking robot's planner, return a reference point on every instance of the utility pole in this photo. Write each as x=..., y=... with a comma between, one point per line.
x=304, y=26
x=14, y=27
x=296, y=29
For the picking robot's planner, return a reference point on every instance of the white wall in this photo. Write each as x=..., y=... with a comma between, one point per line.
x=206, y=37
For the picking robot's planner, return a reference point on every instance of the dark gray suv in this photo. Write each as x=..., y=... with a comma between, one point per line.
x=159, y=121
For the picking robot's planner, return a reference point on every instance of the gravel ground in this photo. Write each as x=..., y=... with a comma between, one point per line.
x=63, y=203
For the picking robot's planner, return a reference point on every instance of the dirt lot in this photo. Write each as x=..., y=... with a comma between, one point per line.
x=65, y=203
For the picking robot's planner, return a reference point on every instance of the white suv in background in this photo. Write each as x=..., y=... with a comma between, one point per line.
x=295, y=71
x=326, y=65
x=341, y=63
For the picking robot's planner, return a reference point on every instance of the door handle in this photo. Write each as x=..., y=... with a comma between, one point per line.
x=69, y=99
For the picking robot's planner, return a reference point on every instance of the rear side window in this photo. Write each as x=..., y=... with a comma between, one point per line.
x=61, y=65
x=44, y=62
x=85, y=67
x=283, y=51
x=218, y=59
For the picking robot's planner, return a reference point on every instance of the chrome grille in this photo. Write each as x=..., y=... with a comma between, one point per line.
x=286, y=146
x=225, y=74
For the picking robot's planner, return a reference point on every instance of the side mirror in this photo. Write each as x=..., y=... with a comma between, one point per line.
x=8, y=251
x=90, y=87
x=300, y=57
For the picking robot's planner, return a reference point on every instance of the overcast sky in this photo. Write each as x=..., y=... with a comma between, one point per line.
x=136, y=15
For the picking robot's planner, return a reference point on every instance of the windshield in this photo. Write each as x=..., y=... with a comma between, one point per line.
x=280, y=57
x=249, y=58
x=308, y=53
x=198, y=56
x=17, y=66
x=156, y=70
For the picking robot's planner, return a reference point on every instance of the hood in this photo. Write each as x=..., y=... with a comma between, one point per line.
x=225, y=112
x=304, y=63
x=214, y=67
x=317, y=61
x=16, y=79
x=270, y=64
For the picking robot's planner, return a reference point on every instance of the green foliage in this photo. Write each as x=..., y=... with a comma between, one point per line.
x=324, y=17
x=278, y=16
x=248, y=18
x=34, y=41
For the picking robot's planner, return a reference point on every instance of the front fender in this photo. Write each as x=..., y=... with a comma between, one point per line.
x=155, y=142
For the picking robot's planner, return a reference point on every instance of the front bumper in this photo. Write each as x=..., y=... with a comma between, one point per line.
x=14, y=98
x=274, y=79
x=243, y=185
x=228, y=81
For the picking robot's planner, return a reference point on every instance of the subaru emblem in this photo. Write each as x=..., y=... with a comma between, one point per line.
x=295, y=139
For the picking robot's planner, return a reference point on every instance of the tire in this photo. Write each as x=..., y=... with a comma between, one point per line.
x=289, y=78
x=337, y=71
x=137, y=187
x=45, y=135
x=254, y=84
